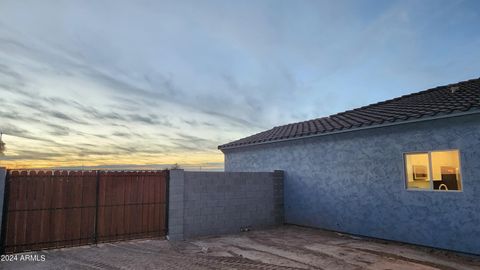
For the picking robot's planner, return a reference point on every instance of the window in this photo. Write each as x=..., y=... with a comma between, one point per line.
x=437, y=170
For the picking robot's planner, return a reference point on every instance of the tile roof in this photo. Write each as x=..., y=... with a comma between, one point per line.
x=442, y=100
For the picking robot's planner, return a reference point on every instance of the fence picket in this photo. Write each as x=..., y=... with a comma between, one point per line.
x=56, y=209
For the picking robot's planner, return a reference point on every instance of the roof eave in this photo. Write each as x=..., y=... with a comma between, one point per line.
x=423, y=119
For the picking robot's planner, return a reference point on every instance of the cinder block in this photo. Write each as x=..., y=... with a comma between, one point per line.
x=175, y=213
x=175, y=237
x=176, y=220
x=175, y=230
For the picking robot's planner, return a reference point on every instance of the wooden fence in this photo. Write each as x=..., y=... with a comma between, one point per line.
x=54, y=209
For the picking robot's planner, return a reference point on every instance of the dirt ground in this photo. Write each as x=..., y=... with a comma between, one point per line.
x=287, y=247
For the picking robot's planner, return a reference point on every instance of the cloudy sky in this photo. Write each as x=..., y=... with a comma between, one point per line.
x=125, y=83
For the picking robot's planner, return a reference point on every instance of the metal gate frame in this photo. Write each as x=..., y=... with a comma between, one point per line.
x=6, y=195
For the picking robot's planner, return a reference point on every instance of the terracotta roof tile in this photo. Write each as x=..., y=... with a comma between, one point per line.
x=441, y=100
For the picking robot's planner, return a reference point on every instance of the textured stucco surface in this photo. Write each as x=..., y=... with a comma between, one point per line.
x=212, y=203
x=354, y=182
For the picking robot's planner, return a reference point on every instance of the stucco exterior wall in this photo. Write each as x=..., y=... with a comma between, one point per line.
x=354, y=182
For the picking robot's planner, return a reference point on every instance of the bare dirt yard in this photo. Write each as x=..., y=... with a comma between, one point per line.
x=286, y=247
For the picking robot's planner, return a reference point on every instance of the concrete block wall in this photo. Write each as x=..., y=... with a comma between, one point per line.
x=215, y=203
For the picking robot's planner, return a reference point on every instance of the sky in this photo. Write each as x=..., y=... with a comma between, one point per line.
x=146, y=84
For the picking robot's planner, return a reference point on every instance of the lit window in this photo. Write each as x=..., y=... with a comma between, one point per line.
x=418, y=170
x=437, y=170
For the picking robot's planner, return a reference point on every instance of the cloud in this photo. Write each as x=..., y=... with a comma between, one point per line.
x=163, y=87
x=32, y=155
x=12, y=130
x=62, y=116
x=57, y=130
x=149, y=119
x=122, y=134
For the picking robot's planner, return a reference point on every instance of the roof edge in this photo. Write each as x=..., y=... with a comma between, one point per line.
x=423, y=119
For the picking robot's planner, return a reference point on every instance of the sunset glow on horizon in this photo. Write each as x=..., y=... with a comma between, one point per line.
x=147, y=84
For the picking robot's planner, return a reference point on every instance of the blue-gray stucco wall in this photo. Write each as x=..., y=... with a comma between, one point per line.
x=354, y=182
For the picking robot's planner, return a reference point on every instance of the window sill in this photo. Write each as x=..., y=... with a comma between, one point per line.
x=433, y=190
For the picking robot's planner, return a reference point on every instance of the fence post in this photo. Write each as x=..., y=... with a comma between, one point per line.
x=167, y=200
x=95, y=229
x=175, y=205
x=3, y=207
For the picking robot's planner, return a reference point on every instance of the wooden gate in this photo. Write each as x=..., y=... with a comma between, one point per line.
x=55, y=209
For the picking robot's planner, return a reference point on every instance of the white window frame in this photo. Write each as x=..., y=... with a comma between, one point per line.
x=429, y=153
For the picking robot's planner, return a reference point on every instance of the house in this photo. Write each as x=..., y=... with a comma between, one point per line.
x=406, y=169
